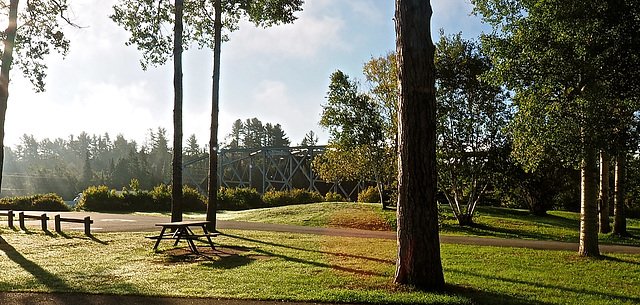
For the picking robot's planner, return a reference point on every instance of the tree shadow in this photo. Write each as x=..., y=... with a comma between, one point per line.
x=374, y=259
x=58, y=286
x=557, y=287
x=90, y=237
x=478, y=296
x=42, y=276
x=312, y=263
x=616, y=260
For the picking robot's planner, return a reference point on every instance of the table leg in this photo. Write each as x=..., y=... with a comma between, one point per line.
x=206, y=233
x=159, y=238
x=178, y=234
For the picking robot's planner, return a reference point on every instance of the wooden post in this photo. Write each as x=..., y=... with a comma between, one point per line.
x=87, y=226
x=21, y=220
x=10, y=218
x=43, y=221
x=57, y=223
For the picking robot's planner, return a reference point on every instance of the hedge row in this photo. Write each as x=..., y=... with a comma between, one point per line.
x=40, y=202
x=101, y=198
x=246, y=198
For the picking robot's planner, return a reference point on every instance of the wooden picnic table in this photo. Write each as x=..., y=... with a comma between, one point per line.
x=182, y=231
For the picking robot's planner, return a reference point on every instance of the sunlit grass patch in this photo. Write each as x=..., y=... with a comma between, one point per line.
x=299, y=267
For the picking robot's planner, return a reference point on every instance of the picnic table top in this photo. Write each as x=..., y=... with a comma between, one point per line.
x=183, y=223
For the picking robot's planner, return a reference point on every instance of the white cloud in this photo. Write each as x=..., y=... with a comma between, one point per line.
x=305, y=38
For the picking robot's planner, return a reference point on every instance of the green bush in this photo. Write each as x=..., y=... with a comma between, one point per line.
x=100, y=198
x=239, y=199
x=370, y=195
x=298, y=196
x=192, y=200
x=334, y=197
x=301, y=196
x=39, y=202
x=275, y=198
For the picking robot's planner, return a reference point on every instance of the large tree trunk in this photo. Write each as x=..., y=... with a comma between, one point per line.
x=605, y=227
x=418, y=262
x=176, y=192
x=212, y=203
x=619, y=218
x=589, y=205
x=7, y=58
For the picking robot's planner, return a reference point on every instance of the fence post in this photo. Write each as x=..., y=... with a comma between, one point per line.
x=43, y=221
x=87, y=226
x=10, y=218
x=57, y=223
x=21, y=220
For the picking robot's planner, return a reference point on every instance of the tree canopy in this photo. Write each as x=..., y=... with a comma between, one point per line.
x=573, y=67
x=150, y=22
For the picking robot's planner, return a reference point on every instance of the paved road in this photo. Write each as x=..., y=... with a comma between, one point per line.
x=104, y=222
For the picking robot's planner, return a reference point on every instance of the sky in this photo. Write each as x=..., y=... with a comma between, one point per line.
x=279, y=75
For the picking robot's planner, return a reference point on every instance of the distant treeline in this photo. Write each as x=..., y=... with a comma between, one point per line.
x=69, y=166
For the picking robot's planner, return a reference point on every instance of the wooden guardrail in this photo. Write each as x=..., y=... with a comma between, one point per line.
x=44, y=219
x=86, y=221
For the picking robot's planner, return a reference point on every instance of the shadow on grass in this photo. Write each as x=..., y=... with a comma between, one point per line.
x=478, y=296
x=617, y=260
x=44, y=277
x=583, y=291
x=90, y=236
x=312, y=263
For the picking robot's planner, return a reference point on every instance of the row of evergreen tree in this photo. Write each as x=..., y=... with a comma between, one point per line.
x=68, y=166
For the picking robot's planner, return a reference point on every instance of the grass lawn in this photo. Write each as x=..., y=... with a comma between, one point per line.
x=489, y=221
x=286, y=266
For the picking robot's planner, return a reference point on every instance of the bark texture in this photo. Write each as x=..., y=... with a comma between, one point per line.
x=418, y=262
x=589, y=205
x=619, y=218
x=605, y=226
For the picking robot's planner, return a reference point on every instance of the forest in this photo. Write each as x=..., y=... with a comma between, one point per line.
x=67, y=166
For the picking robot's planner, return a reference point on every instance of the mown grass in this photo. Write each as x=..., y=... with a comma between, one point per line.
x=489, y=221
x=298, y=267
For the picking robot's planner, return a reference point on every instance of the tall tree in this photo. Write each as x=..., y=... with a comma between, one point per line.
x=356, y=135
x=572, y=66
x=472, y=115
x=310, y=139
x=419, y=262
x=212, y=178
x=146, y=20
x=39, y=32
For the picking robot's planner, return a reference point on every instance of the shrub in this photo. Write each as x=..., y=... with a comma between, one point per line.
x=301, y=196
x=39, y=202
x=238, y=199
x=162, y=197
x=100, y=198
x=370, y=195
x=333, y=197
x=192, y=200
x=297, y=196
x=275, y=198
